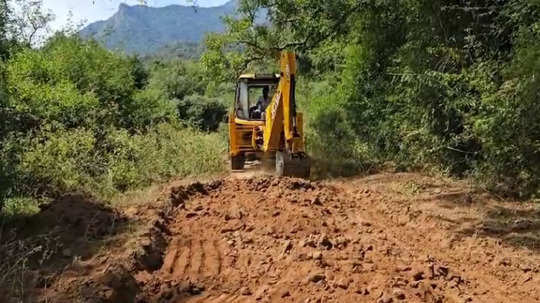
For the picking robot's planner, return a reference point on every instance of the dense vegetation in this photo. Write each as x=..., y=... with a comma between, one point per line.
x=77, y=117
x=435, y=85
x=445, y=85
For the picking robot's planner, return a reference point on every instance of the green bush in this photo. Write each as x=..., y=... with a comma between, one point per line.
x=80, y=84
x=163, y=152
x=428, y=86
x=19, y=207
x=77, y=117
x=177, y=79
x=202, y=112
x=330, y=139
x=59, y=161
x=183, y=84
x=149, y=107
x=62, y=161
x=508, y=125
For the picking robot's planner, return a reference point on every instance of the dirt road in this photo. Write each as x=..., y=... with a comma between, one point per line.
x=385, y=238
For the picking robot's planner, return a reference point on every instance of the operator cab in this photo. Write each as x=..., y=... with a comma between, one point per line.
x=253, y=94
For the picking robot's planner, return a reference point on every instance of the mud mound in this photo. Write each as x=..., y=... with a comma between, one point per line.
x=63, y=227
x=267, y=239
x=67, y=228
x=276, y=240
x=80, y=215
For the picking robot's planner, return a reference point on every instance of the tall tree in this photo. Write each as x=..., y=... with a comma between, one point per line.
x=32, y=23
x=4, y=17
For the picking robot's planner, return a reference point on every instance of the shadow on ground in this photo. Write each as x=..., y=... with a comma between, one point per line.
x=514, y=223
x=517, y=227
x=467, y=210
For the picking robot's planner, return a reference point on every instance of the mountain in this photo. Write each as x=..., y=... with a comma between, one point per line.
x=144, y=30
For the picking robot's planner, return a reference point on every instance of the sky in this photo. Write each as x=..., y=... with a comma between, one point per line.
x=88, y=11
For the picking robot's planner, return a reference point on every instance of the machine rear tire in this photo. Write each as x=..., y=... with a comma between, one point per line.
x=238, y=162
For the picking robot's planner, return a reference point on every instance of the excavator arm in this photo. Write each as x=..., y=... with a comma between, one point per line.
x=283, y=132
x=282, y=121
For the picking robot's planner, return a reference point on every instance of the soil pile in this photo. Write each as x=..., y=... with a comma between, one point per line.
x=384, y=238
x=288, y=240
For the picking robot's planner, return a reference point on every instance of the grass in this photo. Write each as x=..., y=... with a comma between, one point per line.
x=17, y=208
x=78, y=160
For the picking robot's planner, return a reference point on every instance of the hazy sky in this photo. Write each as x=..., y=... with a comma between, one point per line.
x=94, y=10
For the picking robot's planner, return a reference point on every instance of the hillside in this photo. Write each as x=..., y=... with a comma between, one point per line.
x=142, y=29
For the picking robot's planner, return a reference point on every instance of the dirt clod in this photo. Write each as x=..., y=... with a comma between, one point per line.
x=287, y=247
x=398, y=294
x=285, y=293
x=385, y=299
x=316, y=277
x=245, y=291
x=418, y=275
x=342, y=283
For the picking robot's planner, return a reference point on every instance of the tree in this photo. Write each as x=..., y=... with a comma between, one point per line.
x=451, y=85
x=265, y=27
x=4, y=23
x=31, y=22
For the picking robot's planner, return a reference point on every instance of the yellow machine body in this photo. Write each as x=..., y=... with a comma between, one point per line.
x=279, y=133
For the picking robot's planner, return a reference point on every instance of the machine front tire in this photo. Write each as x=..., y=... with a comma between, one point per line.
x=238, y=162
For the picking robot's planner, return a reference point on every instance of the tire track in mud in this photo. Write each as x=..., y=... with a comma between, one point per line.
x=213, y=259
x=193, y=259
x=183, y=263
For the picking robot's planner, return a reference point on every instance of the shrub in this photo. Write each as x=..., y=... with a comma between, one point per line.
x=149, y=107
x=17, y=207
x=330, y=139
x=202, y=112
x=508, y=125
x=462, y=100
x=59, y=161
x=163, y=152
x=63, y=160
x=80, y=84
x=77, y=117
x=177, y=79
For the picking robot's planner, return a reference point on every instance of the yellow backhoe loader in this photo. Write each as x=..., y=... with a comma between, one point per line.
x=265, y=124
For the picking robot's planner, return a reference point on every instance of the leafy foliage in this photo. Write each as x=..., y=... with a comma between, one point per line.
x=446, y=85
x=77, y=117
x=202, y=112
x=178, y=50
x=332, y=143
x=117, y=162
x=177, y=78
